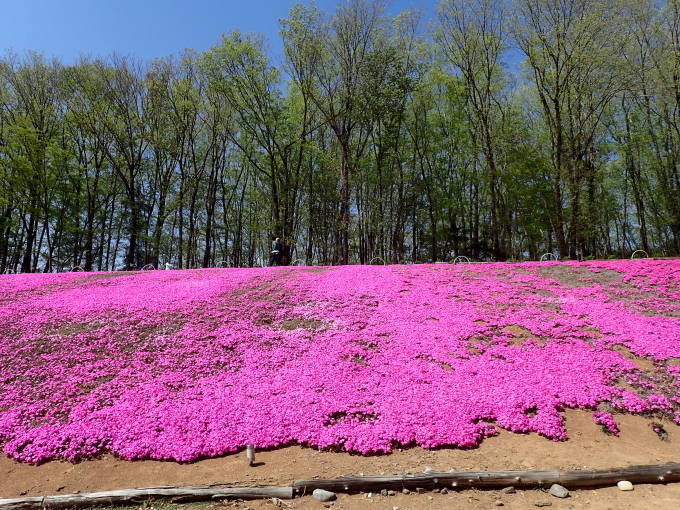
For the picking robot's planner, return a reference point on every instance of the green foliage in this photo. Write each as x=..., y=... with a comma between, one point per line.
x=377, y=136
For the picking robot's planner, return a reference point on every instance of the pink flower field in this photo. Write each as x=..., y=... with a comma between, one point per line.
x=182, y=365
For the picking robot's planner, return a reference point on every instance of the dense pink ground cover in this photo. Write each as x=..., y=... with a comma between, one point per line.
x=189, y=364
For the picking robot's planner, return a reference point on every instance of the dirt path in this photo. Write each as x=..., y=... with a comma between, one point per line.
x=588, y=447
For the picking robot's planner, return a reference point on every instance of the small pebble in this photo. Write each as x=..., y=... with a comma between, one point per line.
x=444, y=491
x=430, y=498
x=383, y=492
x=543, y=503
x=435, y=490
x=625, y=485
x=498, y=502
x=391, y=493
x=558, y=491
x=508, y=490
x=420, y=490
x=405, y=491
x=428, y=469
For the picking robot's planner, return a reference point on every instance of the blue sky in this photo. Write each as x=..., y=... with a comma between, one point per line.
x=146, y=28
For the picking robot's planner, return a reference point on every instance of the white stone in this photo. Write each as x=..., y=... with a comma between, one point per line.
x=322, y=495
x=625, y=485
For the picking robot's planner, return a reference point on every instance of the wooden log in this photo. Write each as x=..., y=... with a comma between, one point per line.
x=659, y=473
x=136, y=495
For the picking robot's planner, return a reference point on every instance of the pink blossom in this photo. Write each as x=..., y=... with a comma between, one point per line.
x=607, y=422
x=181, y=365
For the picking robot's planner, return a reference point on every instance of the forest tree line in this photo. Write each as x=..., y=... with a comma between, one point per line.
x=377, y=137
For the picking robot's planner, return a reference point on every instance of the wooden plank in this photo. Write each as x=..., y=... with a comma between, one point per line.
x=137, y=495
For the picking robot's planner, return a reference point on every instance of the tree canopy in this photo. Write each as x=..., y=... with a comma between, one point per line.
x=378, y=137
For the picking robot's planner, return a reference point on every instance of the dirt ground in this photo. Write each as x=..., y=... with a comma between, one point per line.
x=587, y=448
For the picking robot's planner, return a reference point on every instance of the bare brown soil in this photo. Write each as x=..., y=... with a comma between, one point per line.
x=108, y=276
x=520, y=335
x=302, y=323
x=587, y=448
x=575, y=276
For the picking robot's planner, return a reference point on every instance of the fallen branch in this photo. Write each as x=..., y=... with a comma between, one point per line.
x=177, y=494
x=457, y=480
x=660, y=473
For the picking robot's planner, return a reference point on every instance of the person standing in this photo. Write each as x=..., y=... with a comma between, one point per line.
x=277, y=248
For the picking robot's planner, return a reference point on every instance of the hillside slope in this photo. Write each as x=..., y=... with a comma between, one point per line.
x=183, y=365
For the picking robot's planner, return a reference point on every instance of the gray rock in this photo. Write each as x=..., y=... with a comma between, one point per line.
x=391, y=493
x=558, y=491
x=498, y=502
x=444, y=491
x=420, y=490
x=508, y=490
x=435, y=490
x=383, y=492
x=322, y=495
x=405, y=491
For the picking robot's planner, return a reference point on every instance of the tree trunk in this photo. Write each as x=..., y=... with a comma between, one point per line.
x=343, y=238
x=30, y=239
x=132, y=257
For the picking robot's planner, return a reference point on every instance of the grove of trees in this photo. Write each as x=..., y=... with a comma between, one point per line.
x=501, y=130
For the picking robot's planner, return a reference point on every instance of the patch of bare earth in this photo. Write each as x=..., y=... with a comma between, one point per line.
x=642, y=363
x=72, y=328
x=306, y=323
x=587, y=448
x=575, y=276
x=520, y=335
x=652, y=378
x=108, y=276
x=652, y=303
x=638, y=300
x=317, y=269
